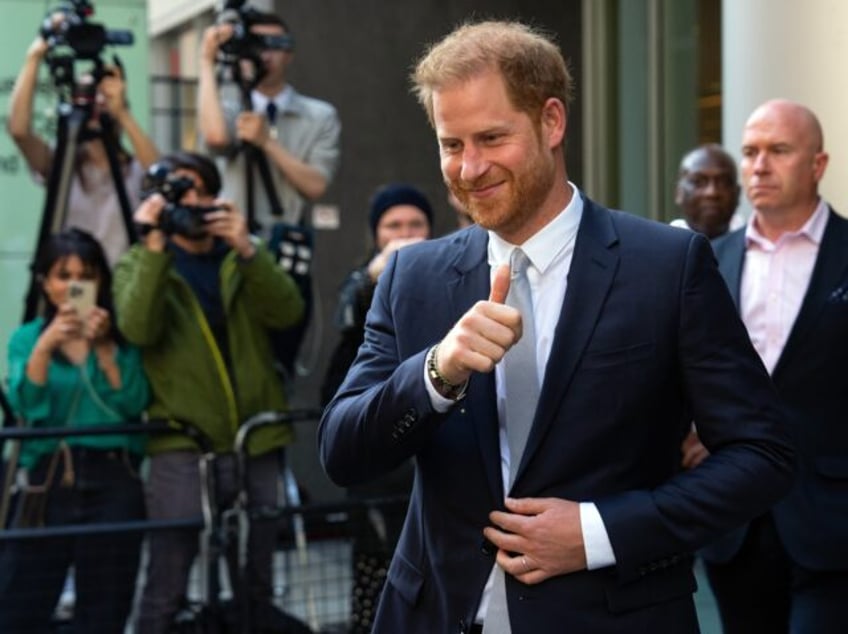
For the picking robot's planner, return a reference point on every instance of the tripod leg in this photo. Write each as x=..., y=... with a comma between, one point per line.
x=110, y=142
x=71, y=121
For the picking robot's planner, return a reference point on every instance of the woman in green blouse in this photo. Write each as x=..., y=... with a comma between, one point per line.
x=71, y=368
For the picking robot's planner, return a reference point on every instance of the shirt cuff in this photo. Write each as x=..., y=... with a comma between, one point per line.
x=596, y=542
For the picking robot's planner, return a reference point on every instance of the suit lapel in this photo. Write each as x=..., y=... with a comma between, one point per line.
x=829, y=273
x=472, y=283
x=730, y=266
x=593, y=268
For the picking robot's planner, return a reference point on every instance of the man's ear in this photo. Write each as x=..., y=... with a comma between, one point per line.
x=820, y=160
x=554, y=122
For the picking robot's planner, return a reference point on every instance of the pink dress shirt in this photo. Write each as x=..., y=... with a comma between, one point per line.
x=774, y=281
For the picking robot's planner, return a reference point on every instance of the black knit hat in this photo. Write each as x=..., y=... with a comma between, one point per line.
x=397, y=194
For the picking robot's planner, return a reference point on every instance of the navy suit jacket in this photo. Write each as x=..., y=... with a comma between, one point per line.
x=811, y=376
x=647, y=340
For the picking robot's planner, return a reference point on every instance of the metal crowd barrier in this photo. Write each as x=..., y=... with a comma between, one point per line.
x=318, y=566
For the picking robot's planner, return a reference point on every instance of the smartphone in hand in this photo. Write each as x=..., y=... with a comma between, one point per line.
x=82, y=295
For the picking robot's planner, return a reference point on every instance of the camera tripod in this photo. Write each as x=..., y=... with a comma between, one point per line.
x=74, y=115
x=254, y=157
x=291, y=244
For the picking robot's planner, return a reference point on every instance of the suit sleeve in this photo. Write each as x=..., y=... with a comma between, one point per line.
x=382, y=413
x=740, y=420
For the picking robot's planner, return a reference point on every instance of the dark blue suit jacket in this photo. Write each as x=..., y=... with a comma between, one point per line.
x=647, y=340
x=811, y=376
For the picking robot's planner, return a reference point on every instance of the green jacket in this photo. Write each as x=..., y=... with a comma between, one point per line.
x=74, y=396
x=158, y=311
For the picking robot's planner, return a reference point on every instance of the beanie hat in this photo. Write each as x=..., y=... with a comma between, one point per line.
x=397, y=194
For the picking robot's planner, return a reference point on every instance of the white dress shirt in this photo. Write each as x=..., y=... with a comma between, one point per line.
x=281, y=100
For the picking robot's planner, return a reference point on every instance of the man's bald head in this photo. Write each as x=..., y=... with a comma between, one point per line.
x=783, y=161
x=794, y=114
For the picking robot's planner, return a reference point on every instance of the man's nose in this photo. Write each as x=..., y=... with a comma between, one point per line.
x=473, y=166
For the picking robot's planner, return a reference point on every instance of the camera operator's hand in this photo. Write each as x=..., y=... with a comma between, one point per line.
x=112, y=94
x=147, y=215
x=38, y=49
x=230, y=225
x=253, y=128
x=113, y=89
x=213, y=37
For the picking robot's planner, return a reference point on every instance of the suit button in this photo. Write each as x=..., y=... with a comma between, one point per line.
x=487, y=547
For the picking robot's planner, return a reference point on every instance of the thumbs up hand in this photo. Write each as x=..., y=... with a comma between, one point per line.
x=482, y=335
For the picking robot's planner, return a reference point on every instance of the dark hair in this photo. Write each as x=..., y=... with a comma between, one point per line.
x=257, y=17
x=85, y=246
x=202, y=165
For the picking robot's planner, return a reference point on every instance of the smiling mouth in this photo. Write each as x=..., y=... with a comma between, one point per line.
x=483, y=190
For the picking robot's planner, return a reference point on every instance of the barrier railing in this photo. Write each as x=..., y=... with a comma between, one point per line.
x=317, y=586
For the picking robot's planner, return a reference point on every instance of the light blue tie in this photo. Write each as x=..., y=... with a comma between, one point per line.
x=521, y=392
x=521, y=382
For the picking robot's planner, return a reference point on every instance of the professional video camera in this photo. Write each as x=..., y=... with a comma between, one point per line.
x=71, y=38
x=244, y=44
x=68, y=25
x=184, y=220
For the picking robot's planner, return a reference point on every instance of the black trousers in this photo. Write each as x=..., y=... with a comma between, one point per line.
x=762, y=591
x=106, y=488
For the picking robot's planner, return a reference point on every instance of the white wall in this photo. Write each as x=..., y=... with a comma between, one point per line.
x=164, y=15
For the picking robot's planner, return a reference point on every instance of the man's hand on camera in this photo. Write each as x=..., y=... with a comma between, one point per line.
x=213, y=37
x=230, y=225
x=147, y=216
x=253, y=128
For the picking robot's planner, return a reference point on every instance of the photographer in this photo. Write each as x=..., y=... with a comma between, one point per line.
x=197, y=298
x=93, y=203
x=299, y=135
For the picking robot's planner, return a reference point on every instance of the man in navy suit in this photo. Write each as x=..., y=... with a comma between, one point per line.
x=591, y=527
x=787, y=571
